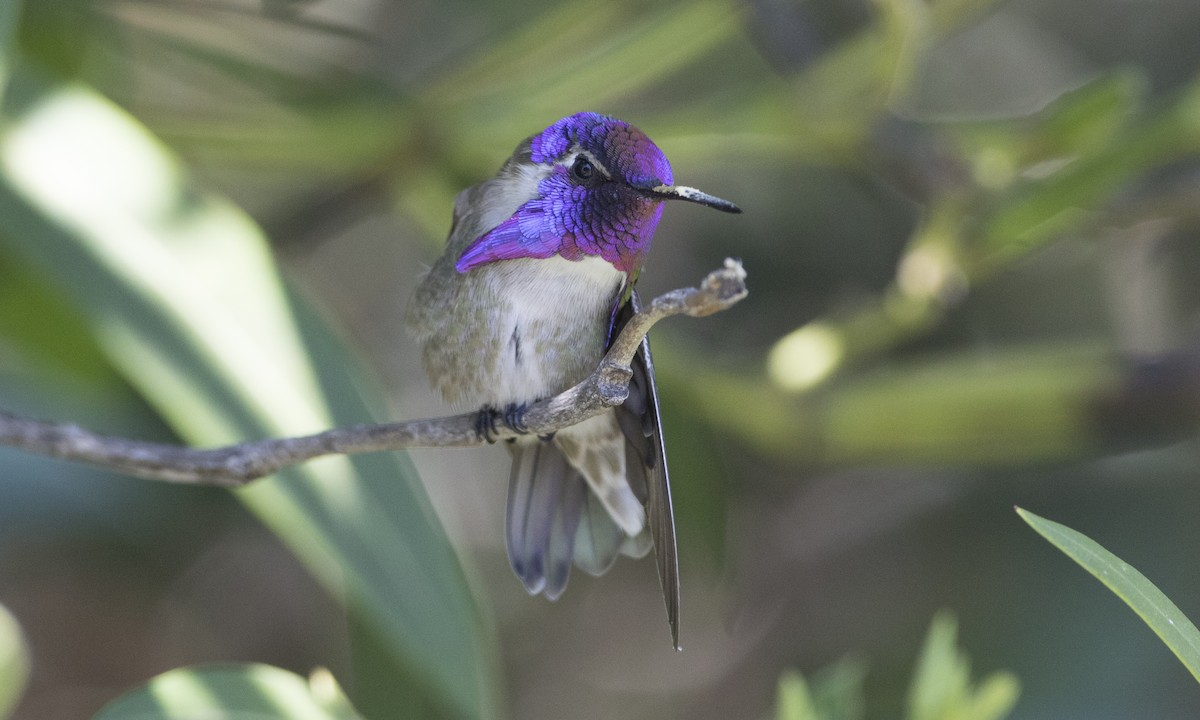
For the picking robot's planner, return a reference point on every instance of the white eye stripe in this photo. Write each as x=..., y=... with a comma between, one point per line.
x=576, y=151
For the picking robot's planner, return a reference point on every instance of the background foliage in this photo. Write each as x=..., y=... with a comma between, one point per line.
x=970, y=230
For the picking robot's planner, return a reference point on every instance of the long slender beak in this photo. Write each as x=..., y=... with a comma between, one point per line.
x=683, y=192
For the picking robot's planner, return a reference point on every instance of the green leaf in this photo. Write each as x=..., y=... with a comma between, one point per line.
x=10, y=13
x=847, y=90
x=237, y=692
x=941, y=688
x=14, y=663
x=1111, y=155
x=1086, y=119
x=838, y=691
x=60, y=33
x=1155, y=608
x=181, y=294
x=1079, y=123
x=835, y=693
x=794, y=699
x=582, y=54
x=940, y=672
x=44, y=330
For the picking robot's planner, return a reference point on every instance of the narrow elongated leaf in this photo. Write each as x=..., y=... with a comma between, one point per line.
x=236, y=692
x=44, y=326
x=1155, y=608
x=581, y=55
x=181, y=293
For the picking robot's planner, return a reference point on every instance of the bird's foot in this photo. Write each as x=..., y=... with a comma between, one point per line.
x=487, y=422
x=514, y=417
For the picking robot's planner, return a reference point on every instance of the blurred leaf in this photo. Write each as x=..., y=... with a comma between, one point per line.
x=838, y=691
x=1015, y=406
x=14, y=663
x=960, y=248
x=941, y=687
x=580, y=56
x=737, y=402
x=843, y=94
x=58, y=33
x=835, y=693
x=283, y=15
x=529, y=55
x=1009, y=405
x=10, y=14
x=1039, y=210
x=947, y=16
x=1155, y=608
x=181, y=293
x=270, y=66
x=1082, y=121
x=794, y=700
x=840, y=113
x=283, y=101
x=239, y=50
x=44, y=329
x=835, y=104
x=1087, y=118
x=348, y=134
x=239, y=692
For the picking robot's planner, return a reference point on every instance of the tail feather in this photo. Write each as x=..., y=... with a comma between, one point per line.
x=561, y=550
x=598, y=539
x=646, y=463
x=596, y=448
x=534, y=490
x=555, y=520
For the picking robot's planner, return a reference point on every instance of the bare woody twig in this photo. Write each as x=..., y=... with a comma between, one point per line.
x=239, y=464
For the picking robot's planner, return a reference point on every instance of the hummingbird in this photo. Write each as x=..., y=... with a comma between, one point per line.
x=536, y=280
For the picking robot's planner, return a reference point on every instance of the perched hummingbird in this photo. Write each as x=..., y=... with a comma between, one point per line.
x=536, y=280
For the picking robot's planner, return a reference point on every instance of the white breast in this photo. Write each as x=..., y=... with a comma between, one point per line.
x=558, y=311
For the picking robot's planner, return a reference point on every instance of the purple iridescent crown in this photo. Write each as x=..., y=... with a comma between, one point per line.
x=613, y=217
x=620, y=146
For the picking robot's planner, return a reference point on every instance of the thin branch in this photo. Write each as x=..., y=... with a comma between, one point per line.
x=239, y=464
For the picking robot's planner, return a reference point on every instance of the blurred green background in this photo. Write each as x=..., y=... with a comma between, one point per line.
x=970, y=230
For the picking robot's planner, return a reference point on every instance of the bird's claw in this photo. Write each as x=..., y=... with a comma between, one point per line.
x=487, y=422
x=514, y=418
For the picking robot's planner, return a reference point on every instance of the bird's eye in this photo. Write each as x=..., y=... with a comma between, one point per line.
x=583, y=169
